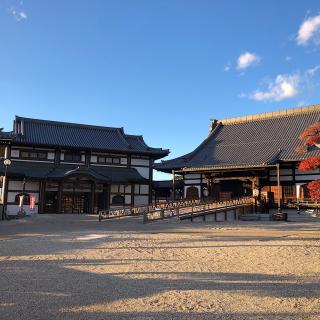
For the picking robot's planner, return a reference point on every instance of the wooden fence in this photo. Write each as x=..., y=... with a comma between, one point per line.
x=170, y=209
x=195, y=208
x=138, y=210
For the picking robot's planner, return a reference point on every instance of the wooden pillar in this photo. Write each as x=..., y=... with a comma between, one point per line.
x=105, y=196
x=41, y=196
x=150, y=179
x=5, y=197
x=173, y=185
x=59, y=197
x=278, y=184
x=132, y=194
x=108, y=195
x=7, y=155
x=92, y=200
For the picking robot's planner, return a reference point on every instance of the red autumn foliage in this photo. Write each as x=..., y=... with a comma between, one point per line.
x=314, y=189
x=302, y=149
x=309, y=164
x=311, y=135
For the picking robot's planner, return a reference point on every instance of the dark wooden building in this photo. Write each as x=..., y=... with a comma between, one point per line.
x=248, y=153
x=162, y=190
x=74, y=168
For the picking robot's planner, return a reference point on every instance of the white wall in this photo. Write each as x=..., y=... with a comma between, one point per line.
x=12, y=210
x=139, y=162
x=141, y=200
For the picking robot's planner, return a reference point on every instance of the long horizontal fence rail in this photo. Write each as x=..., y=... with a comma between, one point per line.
x=225, y=210
x=303, y=203
x=122, y=212
x=195, y=208
x=138, y=210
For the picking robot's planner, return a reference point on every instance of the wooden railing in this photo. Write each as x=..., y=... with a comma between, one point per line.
x=194, y=208
x=122, y=212
x=303, y=203
x=137, y=210
x=170, y=209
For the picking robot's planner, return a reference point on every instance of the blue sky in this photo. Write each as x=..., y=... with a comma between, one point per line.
x=157, y=68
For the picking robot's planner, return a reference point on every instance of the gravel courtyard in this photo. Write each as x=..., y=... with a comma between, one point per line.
x=73, y=267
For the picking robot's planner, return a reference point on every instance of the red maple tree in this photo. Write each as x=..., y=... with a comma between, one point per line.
x=311, y=137
x=314, y=189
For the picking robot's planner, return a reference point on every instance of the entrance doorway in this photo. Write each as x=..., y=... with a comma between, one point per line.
x=75, y=202
x=51, y=202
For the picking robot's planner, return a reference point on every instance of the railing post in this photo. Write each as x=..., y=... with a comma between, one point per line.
x=145, y=217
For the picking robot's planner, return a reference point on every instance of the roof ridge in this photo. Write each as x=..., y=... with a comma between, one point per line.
x=133, y=135
x=268, y=115
x=71, y=124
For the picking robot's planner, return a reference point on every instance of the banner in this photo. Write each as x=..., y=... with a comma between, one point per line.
x=21, y=199
x=32, y=201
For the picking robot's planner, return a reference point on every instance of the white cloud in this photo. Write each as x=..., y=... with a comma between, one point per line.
x=23, y=15
x=247, y=59
x=18, y=15
x=281, y=88
x=288, y=58
x=309, y=30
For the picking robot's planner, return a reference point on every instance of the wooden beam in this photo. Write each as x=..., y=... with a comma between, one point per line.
x=278, y=184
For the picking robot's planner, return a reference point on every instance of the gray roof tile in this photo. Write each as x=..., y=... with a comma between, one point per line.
x=71, y=135
x=251, y=142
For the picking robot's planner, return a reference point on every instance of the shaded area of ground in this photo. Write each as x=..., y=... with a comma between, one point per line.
x=73, y=267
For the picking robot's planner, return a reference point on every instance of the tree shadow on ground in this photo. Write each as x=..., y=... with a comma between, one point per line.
x=58, y=290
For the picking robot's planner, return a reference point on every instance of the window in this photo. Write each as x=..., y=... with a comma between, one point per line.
x=34, y=154
x=72, y=156
x=108, y=160
x=118, y=200
x=2, y=151
x=142, y=189
x=26, y=198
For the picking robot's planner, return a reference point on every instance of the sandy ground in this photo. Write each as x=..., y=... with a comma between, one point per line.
x=73, y=267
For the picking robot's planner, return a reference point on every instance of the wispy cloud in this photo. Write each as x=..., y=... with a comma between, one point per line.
x=288, y=58
x=18, y=14
x=227, y=67
x=247, y=59
x=309, y=31
x=312, y=71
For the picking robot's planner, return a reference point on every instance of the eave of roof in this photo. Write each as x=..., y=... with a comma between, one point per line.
x=49, y=171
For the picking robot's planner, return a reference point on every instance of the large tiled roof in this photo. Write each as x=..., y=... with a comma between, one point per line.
x=70, y=135
x=250, y=141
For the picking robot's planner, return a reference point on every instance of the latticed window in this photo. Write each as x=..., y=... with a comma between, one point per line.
x=109, y=160
x=289, y=191
x=72, y=156
x=34, y=154
x=2, y=150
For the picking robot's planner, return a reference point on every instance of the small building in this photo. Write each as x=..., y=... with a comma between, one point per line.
x=244, y=156
x=162, y=190
x=74, y=168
